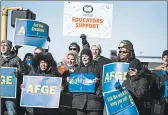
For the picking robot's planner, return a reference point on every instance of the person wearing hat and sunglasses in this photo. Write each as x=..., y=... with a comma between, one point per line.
x=138, y=84
x=9, y=58
x=73, y=47
x=126, y=51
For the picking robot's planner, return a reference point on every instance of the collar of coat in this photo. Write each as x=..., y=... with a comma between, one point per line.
x=47, y=71
x=11, y=55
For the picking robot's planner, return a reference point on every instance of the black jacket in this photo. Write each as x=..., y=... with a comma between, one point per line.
x=89, y=101
x=51, y=72
x=160, y=97
x=139, y=87
x=103, y=60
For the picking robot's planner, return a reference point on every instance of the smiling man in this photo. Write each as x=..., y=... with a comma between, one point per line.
x=9, y=59
x=126, y=51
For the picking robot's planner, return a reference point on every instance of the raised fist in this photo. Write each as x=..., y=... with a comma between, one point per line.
x=83, y=36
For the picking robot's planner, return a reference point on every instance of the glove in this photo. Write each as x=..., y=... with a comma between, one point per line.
x=17, y=47
x=84, y=41
x=117, y=85
x=99, y=95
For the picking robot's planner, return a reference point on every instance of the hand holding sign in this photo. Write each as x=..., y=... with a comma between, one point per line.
x=68, y=79
x=117, y=85
x=21, y=86
x=96, y=80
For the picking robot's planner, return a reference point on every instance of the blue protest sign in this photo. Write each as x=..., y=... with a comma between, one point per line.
x=117, y=101
x=166, y=89
x=41, y=91
x=82, y=82
x=8, y=82
x=112, y=73
x=36, y=29
x=132, y=110
x=30, y=33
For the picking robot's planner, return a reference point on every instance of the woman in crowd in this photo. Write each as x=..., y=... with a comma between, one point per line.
x=88, y=103
x=66, y=97
x=44, y=68
x=138, y=84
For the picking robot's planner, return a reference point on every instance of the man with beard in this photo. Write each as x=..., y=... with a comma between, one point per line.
x=126, y=55
x=126, y=51
x=9, y=59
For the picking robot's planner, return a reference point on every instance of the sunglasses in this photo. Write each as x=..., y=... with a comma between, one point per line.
x=38, y=53
x=72, y=48
x=123, y=52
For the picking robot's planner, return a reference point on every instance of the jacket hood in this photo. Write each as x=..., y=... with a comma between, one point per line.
x=11, y=55
x=46, y=57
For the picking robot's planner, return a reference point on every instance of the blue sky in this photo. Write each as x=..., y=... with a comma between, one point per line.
x=144, y=23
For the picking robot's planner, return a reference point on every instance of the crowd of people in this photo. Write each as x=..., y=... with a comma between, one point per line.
x=146, y=88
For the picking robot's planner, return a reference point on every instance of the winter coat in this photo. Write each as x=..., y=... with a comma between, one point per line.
x=51, y=72
x=89, y=101
x=103, y=60
x=160, y=97
x=13, y=61
x=67, y=74
x=139, y=88
x=67, y=97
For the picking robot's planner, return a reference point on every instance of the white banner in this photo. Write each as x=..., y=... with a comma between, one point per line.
x=92, y=19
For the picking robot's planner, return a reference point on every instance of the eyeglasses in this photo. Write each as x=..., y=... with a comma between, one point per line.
x=72, y=49
x=123, y=52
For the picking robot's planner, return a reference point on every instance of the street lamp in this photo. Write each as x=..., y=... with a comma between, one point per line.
x=5, y=20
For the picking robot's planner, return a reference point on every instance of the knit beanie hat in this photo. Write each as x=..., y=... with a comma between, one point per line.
x=9, y=43
x=86, y=52
x=136, y=64
x=165, y=53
